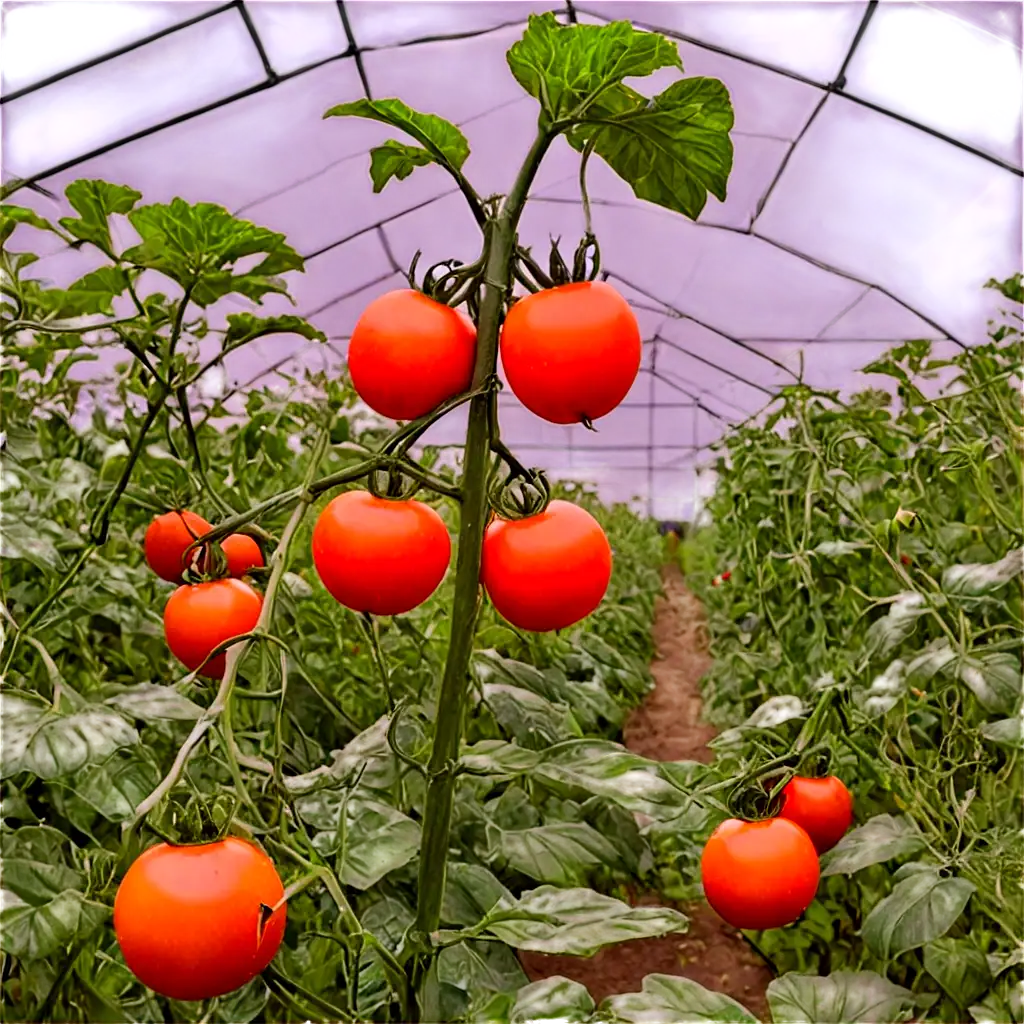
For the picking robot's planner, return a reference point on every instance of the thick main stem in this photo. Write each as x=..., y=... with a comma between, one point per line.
x=448, y=730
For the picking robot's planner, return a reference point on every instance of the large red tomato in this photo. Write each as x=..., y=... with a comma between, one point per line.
x=823, y=808
x=242, y=553
x=380, y=556
x=408, y=354
x=571, y=353
x=187, y=918
x=547, y=571
x=167, y=537
x=759, y=874
x=200, y=616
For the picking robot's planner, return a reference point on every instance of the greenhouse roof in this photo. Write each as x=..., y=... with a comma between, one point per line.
x=877, y=182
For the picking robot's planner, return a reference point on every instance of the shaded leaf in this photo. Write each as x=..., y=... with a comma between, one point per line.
x=880, y=838
x=666, y=999
x=35, y=865
x=1006, y=732
x=370, y=746
x=984, y=578
x=35, y=931
x=844, y=997
x=152, y=702
x=395, y=159
x=959, y=967
x=561, y=853
x=117, y=787
x=921, y=907
x=887, y=633
x=470, y=893
x=531, y=720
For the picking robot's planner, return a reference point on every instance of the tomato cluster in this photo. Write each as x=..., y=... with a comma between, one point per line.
x=764, y=874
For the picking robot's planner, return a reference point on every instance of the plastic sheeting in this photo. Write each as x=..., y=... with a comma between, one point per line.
x=877, y=182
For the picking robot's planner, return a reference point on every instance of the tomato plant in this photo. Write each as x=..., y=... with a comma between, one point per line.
x=823, y=808
x=167, y=539
x=242, y=553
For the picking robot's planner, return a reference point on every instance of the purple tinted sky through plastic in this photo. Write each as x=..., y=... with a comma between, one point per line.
x=863, y=210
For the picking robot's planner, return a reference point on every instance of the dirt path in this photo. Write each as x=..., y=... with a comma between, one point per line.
x=668, y=727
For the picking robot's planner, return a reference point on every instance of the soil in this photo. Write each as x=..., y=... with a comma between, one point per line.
x=668, y=727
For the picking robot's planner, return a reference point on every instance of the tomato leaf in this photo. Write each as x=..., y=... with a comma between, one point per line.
x=1006, y=732
x=93, y=293
x=959, y=967
x=984, y=578
x=562, y=853
x=366, y=751
x=244, y=327
x=881, y=838
x=530, y=719
x=198, y=244
x=844, y=997
x=151, y=702
x=495, y=757
x=921, y=907
x=666, y=998
x=39, y=740
x=995, y=679
x=477, y=970
x=35, y=931
x=95, y=202
x=440, y=140
x=575, y=921
x=116, y=787
x=35, y=864
x=395, y=159
x=552, y=999
x=470, y=893
x=567, y=67
x=672, y=150
x=887, y=633
x=11, y=216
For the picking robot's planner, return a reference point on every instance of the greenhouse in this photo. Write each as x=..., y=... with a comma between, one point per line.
x=511, y=511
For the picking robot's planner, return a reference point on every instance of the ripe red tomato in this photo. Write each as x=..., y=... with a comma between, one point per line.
x=187, y=917
x=547, y=571
x=759, y=874
x=166, y=539
x=243, y=554
x=199, y=616
x=380, y=556
x=823, y=808
x=571, y=353
x=408, y=354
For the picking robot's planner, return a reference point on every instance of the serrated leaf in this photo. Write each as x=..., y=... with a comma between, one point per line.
x=395, y=159
x=880, y=838
x=921, y=907
x=995, y=679
x=198, y=244
x=39, y=740
x=959, y=967
x=34, y=932
x=151, y=702
x=95, y=201
x=576, y=921
x=567, y=67
x=844, y=997
x=552, y=999
x=983, y=578
x=562, y=853
x=666, y=999
x=440, y=139
x=244, y=327
x=672, y=150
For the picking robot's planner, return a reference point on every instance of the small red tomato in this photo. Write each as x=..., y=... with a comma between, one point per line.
x=242, y=553
x=823, y=808
x=715, y=582
x=547, y=571
x=380, y=556
x=408, y=354
x=759, y=874
x=188, y=918
x=727, y=575
x=200, y=616
x=905, y=559
x=166, y=539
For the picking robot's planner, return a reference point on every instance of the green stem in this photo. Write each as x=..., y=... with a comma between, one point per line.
x=369, y=628
x=197, y=456
x=501, y=242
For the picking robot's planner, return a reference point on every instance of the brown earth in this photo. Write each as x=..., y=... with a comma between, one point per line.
x=668, y=727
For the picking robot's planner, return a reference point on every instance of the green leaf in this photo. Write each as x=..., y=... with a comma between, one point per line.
x=39, y=740
x=244, y=327
x=198, y=244
x=886, y=690
x=531, y=720
x=11, y=216
x=887, y=633
x=387, y=919
x=496, y=757
x=552, y=999
x=442, y=142
x=995, y=679
x=94, y=293
x=844, y=997
x=880, y=838
x=470, y=893
x=367, y=750
x=479, y=969
x=152, y=702
x=982, y=579
x=95, y=202
x=608, y=770
x=671, y=150
x=395, y=159
x=116, y=787
x=1006, y=732
x=773, y=712
x=576, y=921
x=666, y=999
x=376, y=838
x=567, y=67
x=959, y=967
x=921, y=907
x=562, y=853
x=35, y=864
x=34, y=932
